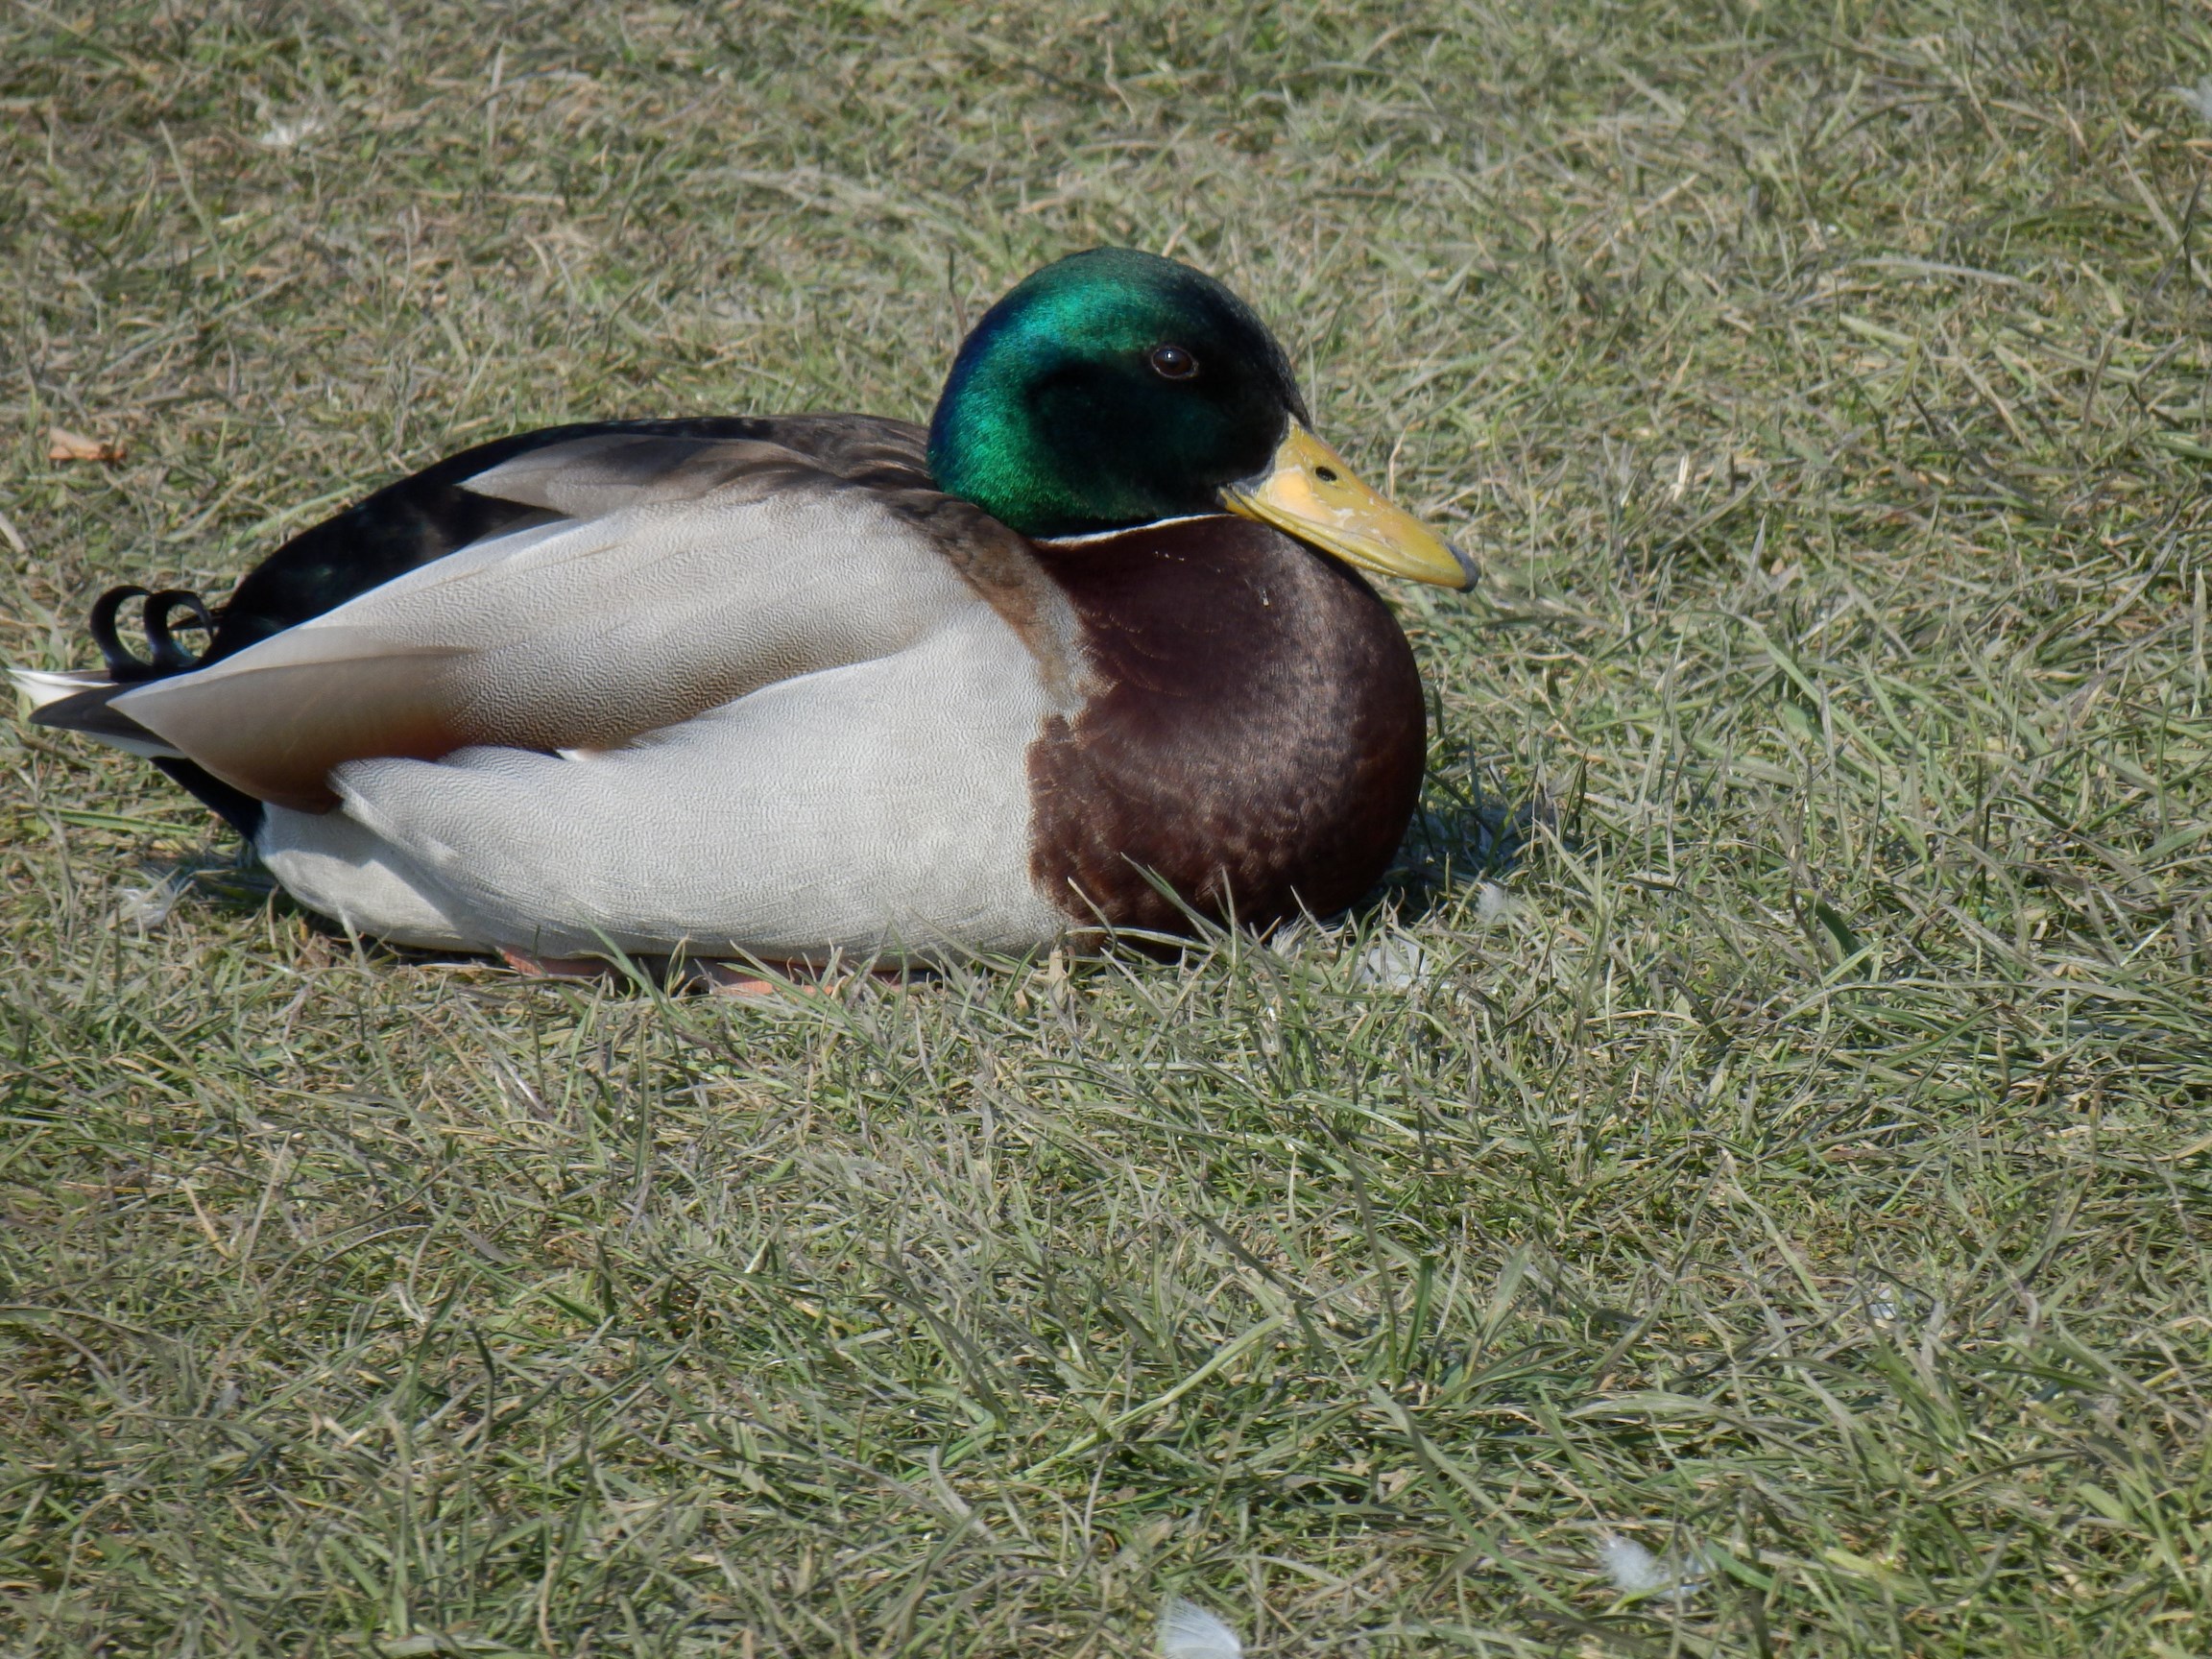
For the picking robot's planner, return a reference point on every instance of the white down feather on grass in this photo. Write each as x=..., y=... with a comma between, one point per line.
x=1187, y=1631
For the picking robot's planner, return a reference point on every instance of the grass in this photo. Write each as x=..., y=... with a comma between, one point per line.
x=1764, y=1120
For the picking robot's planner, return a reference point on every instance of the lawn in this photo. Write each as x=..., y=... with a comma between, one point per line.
x=1764, y=1123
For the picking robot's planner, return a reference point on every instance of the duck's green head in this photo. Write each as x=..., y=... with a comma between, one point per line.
x=1115, y=388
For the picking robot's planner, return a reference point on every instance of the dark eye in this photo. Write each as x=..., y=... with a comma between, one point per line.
x=1173, y=363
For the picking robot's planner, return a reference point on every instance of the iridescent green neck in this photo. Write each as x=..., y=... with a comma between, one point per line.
x=1054, y=419
x=1003, y=441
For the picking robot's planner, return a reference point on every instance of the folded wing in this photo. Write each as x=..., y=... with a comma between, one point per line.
x=660, y=577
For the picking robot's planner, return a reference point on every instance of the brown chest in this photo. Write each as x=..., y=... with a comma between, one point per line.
x=1256, y=740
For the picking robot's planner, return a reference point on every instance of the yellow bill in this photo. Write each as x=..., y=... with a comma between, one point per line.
x=1309, y=491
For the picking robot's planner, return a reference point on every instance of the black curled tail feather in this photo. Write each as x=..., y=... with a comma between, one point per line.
x=165, y=656
x=122, y=662
x=170, y=656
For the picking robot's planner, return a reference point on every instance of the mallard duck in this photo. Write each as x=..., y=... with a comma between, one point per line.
x=1093, y=651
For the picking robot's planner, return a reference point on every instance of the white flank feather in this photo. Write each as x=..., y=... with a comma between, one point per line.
x=1636, y=1572
x=285, y=134
x=1396, y=963
x=146, y=909
x=1493, y=903
x=1187, y=1631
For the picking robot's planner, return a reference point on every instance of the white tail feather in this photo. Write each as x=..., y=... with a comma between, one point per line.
x=43, y=685
x=1187, y=1631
